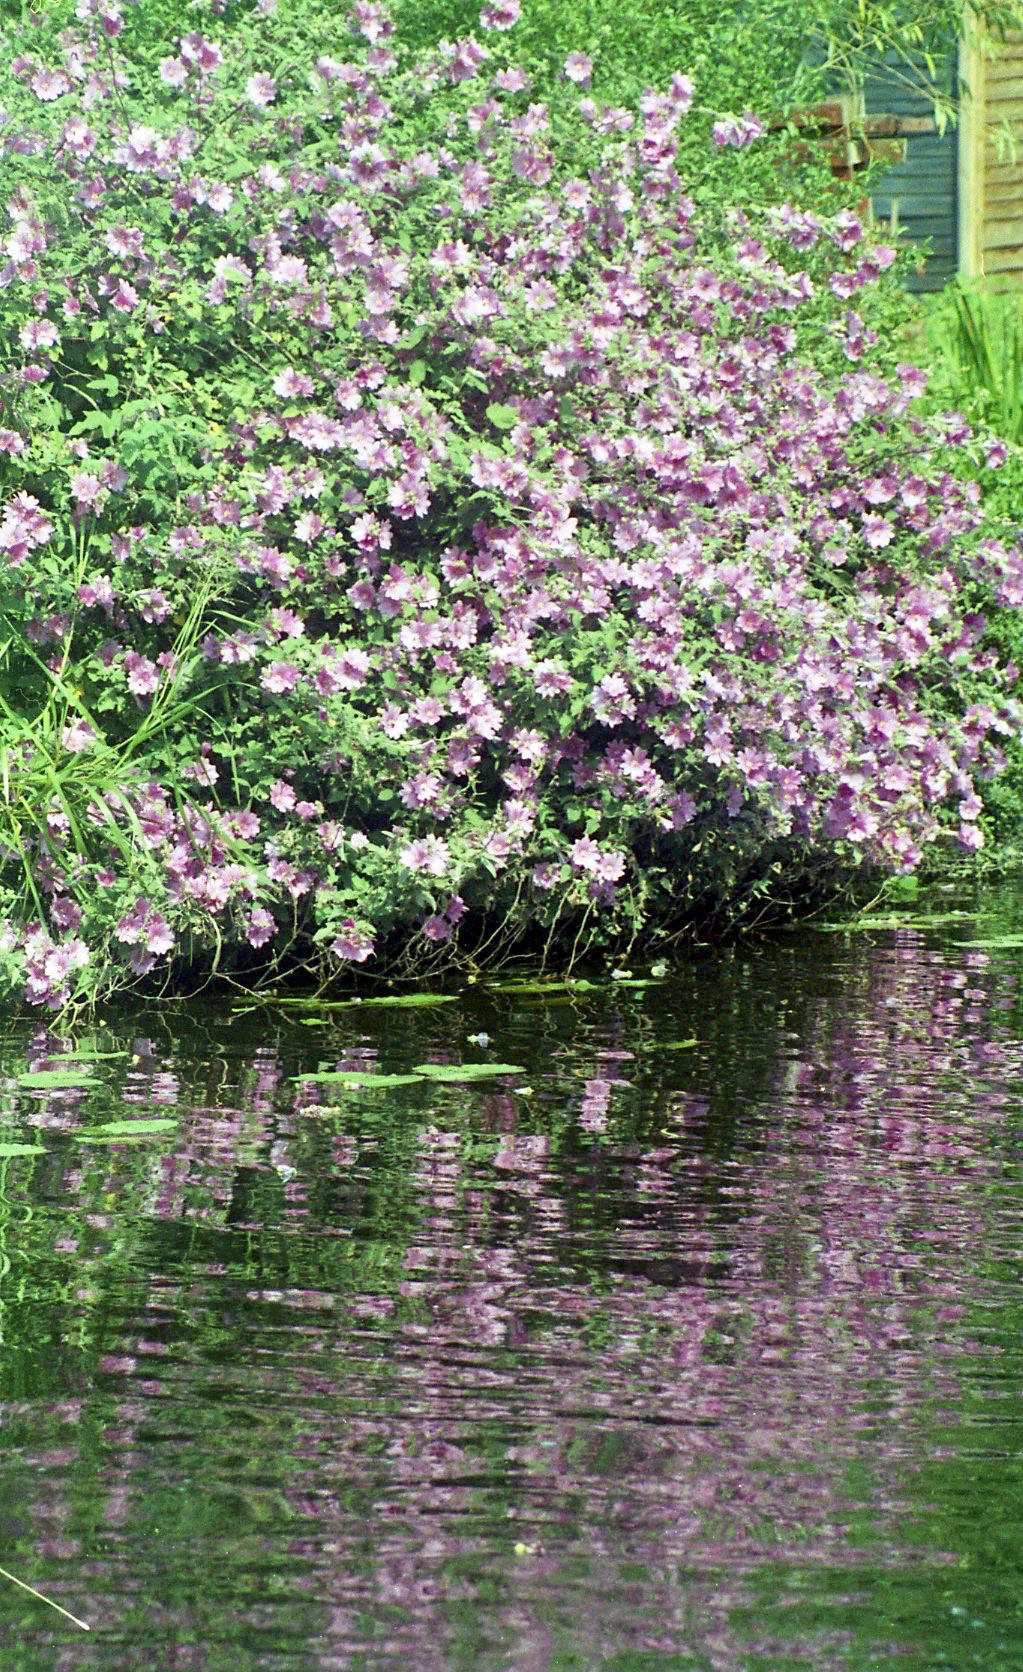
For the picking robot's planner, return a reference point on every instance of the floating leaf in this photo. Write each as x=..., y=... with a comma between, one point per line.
x=20, y=1149
x=356, y=1080
x=87, y=1137
x=409, y=1000
x=890, y=920
x=128, y=1128
x=47, y=1078
x=677, y=1045
x=466, y=1070
x=570, y=986
x=996, y=943
x=85, y=1054
x=405, y=1001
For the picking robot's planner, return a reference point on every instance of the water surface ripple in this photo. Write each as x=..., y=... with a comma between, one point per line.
x=694, y=1342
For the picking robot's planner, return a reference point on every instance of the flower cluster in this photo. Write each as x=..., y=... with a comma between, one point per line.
x=445, y=532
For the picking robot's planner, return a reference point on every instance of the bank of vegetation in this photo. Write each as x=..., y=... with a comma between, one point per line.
x=461, y=495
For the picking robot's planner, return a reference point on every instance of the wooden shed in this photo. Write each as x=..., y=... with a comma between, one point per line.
x=962, y=190
x=990, y=160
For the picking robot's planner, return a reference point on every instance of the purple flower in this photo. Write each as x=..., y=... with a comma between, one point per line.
x=579, y=68
x=143, y=675
x=77, y=736
x=738, y=131
x=501, y=14
x=585, y=855
x=261, y=90
x=280, y=677
x=260, y=926
x=282, y=796
x=428, y=853
x=173, y=72
x=354, y=944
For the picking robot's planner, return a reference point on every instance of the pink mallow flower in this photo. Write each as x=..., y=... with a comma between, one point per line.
x=261, y=90
x=280, y=677
x=282, y=796
x=86, y=489
x=428, y=853
x=501, y=14
x=260, y=927
x=289, y=382
x=143, y=675
x=77, y=736
x=579, y=68
x=353, y=944
x=738, y=131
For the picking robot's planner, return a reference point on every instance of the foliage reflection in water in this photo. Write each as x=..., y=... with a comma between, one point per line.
x=638, y=1357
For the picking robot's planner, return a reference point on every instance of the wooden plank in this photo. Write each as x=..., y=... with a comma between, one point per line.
x=1004, y=261
x=1004, y=71
x=972, y=179
x=922, y=219
x=1003, y=235
x=1003, y=195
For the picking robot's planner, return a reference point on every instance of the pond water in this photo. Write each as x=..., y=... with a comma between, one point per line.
x=691, y=1340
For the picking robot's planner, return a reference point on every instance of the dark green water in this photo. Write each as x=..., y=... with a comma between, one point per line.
x=655, y=1354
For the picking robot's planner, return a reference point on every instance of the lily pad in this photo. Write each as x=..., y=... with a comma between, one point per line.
x=995, y=943
x=128, y=1128
x=406, y=1001
x=466, y=1070
x=397, y=1001
x=356, y=1080
x=20, y=1149
x=115, y=1138
x=46, y=1078
x=568, y=986
x=84, y=1054
x=889, y=920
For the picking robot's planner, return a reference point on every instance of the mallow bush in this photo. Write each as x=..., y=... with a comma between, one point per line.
x=426, y=530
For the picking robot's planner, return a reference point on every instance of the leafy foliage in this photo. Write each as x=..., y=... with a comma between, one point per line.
x=427, y=524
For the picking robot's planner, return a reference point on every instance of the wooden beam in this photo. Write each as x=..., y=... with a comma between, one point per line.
x=1008, y=261
x=895, y=127
x=971, y=133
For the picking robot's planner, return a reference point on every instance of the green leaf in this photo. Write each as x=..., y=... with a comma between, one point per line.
x=466, y=1070
x=356, y=1081
x=409, y=1001
x=502, y=417
x=398, y=1001
x=417, y=372
x=996, y=943
x=47, y=1078
x=128, y=1128
x=88, y=1137
x=527, y=987
x=20, y=1149
x=85, y=1054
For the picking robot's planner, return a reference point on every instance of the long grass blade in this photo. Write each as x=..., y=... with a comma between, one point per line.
x=48, y=1600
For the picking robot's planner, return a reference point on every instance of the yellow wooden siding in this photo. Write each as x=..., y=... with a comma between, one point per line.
x=1001, y=194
